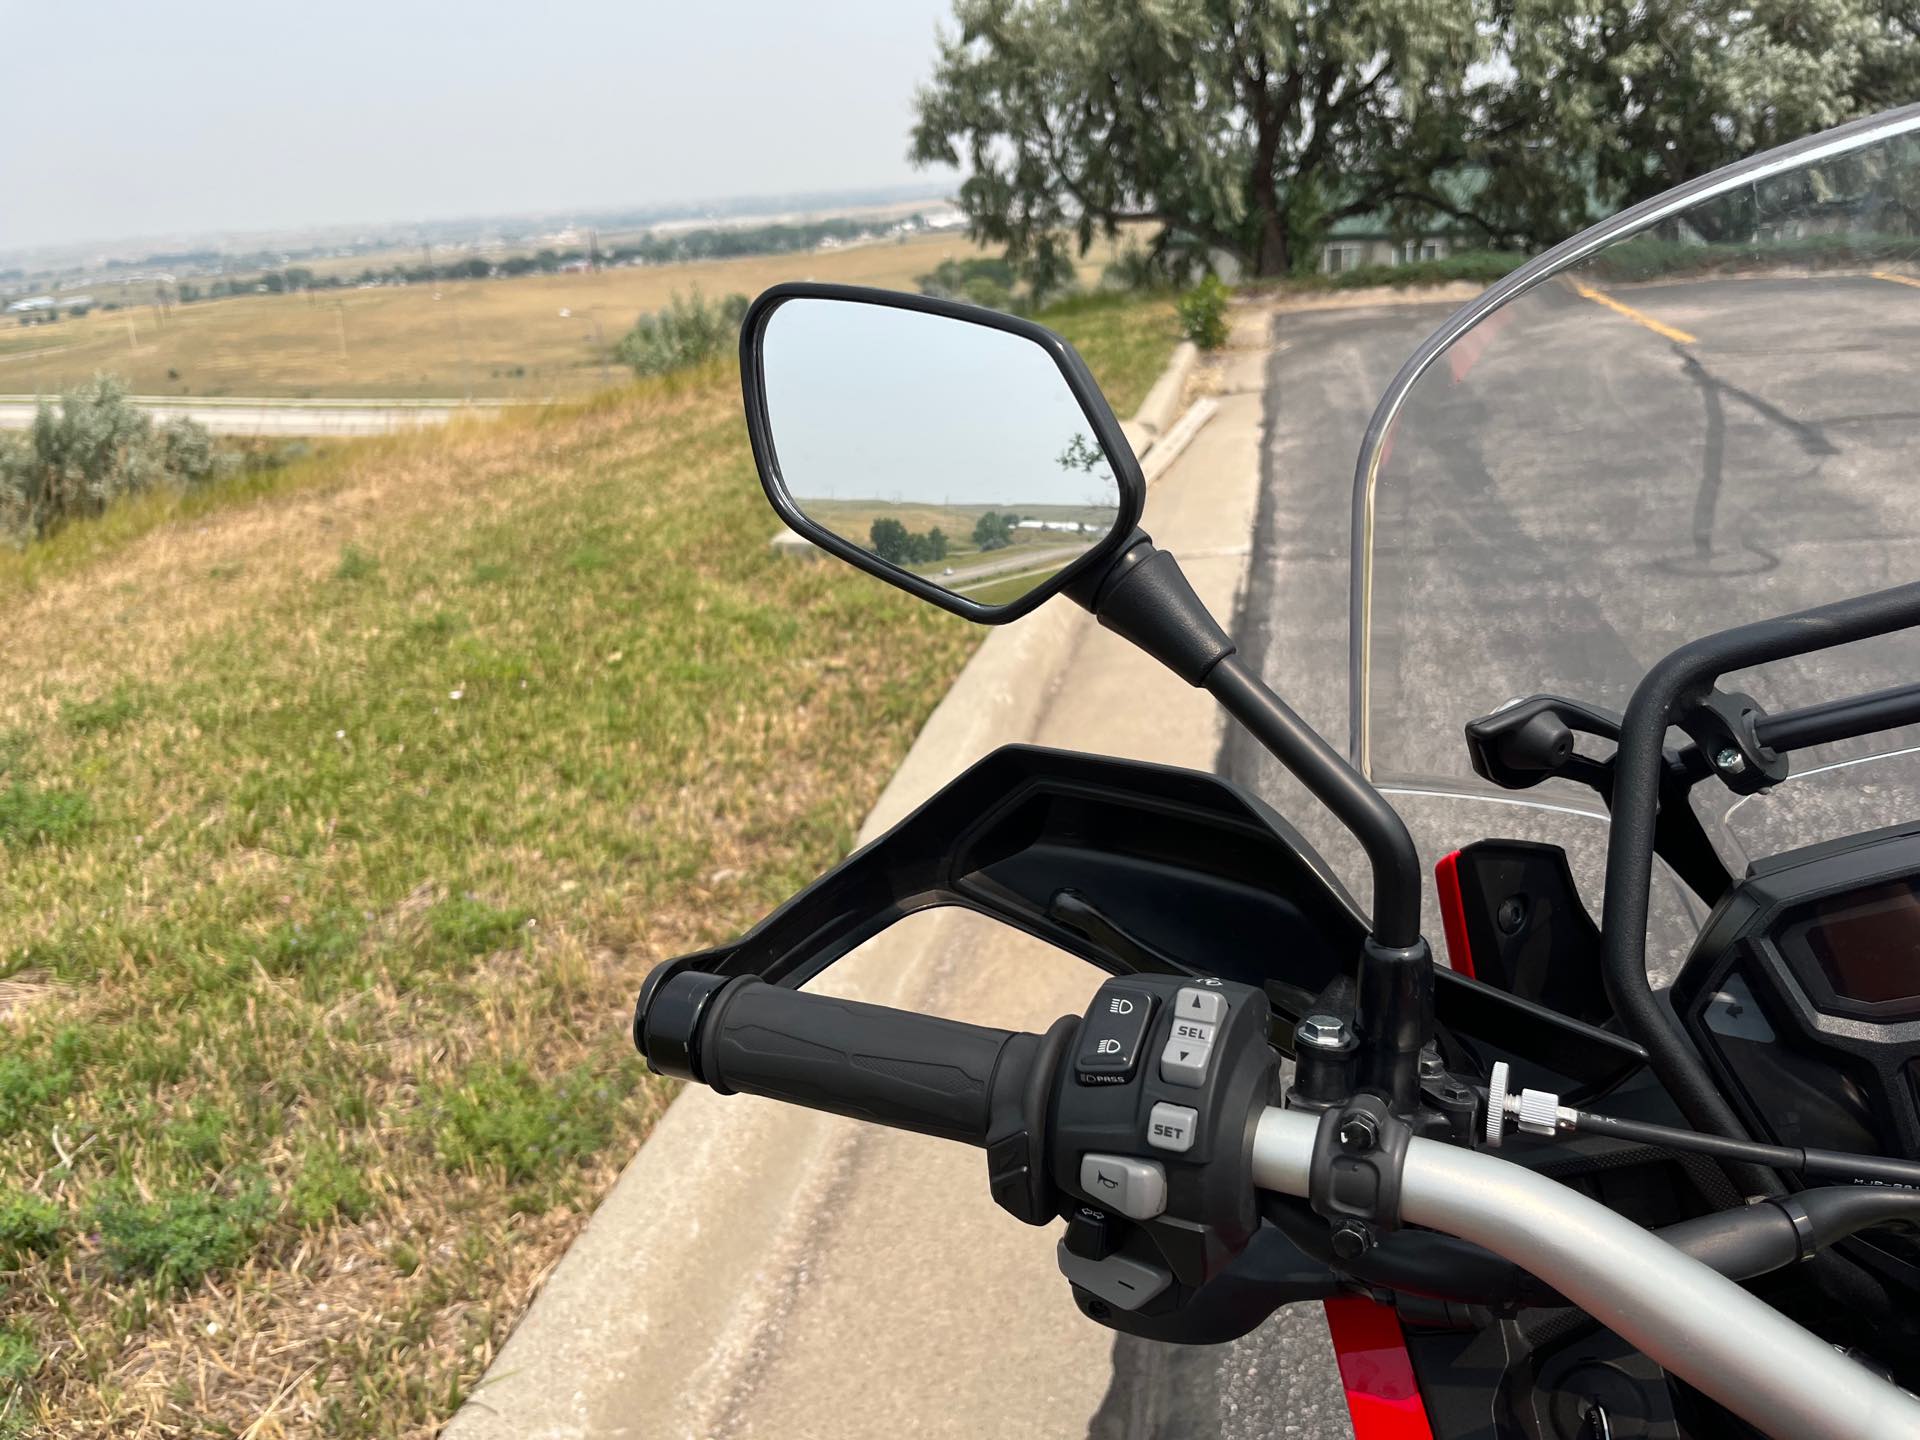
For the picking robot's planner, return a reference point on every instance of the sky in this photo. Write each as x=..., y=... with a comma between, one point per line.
x=130, y=117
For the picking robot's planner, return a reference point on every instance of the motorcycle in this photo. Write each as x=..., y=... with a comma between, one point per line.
x=1568, y=1185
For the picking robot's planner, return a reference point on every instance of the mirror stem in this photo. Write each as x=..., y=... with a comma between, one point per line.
x=1145, y=598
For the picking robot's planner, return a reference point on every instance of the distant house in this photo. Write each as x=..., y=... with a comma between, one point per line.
x=1360, y=240
x=1370, y=239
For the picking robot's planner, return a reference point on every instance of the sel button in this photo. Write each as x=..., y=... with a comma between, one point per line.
x=1193, y=1030
x=1170, y=1127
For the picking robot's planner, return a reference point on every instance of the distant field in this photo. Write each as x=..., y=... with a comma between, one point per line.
x=530, y=338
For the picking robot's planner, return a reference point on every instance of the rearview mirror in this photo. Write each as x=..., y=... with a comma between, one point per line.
x=964, y=455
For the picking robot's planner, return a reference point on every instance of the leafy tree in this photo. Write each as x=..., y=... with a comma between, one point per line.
x=1219, y=119
x=1608, y=104
x=993, y=531
x=936, y=544
x=889, y=540
x=1250, y=128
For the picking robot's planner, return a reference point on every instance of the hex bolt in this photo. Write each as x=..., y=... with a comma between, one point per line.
x=1322, y=1032
x=1358, y=1131
x=1351, y=1240
x=1730, y=761
x=1432, y=1067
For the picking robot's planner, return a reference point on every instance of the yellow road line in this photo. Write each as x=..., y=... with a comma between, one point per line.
x=1893, y=279
x=1639, y=317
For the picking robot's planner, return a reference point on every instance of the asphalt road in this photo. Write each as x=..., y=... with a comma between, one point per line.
x=1563, y=503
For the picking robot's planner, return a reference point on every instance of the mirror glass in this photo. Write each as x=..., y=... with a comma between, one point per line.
x=953, y=451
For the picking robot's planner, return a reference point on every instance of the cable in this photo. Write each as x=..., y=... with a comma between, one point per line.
x=1833, y=1163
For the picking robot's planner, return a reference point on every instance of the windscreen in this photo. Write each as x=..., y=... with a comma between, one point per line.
x=1710, y=416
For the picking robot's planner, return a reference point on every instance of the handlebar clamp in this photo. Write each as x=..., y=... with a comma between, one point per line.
x=1359, y=1152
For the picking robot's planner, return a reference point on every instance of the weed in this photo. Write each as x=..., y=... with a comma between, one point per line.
x=35, y=815
x=182, y=1235
x=504, y=1117
x=328, y=1186
x=355, y=564
x=465, y=927
x=29, y=1226
x=105, y=715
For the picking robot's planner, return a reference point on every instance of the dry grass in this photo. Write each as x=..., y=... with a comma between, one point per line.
x=535, y=336
x=340, y=818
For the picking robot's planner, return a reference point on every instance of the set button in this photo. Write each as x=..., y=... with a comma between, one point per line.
x=1171, y=1127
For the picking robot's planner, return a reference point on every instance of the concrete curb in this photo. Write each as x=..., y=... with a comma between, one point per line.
x=718, y=1199
x=1157, y=411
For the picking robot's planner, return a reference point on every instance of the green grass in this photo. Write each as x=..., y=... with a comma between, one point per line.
x=342, y=811
x=1124, y=338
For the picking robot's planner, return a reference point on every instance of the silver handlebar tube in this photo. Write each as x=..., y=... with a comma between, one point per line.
x=1686, y=1317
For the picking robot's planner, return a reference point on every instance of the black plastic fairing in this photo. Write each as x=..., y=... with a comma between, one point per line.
x=1139, y=868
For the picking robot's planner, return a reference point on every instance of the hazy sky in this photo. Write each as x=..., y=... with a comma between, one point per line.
x=131, y=117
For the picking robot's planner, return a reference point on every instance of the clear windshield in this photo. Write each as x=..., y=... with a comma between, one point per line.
x=1712, y=417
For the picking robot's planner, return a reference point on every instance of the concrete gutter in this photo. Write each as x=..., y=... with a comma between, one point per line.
x=762, y=1270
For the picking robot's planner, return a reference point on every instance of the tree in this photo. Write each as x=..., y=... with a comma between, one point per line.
x=1246, y=127
x=993, y=532
x=936, y=544
x=1602, y=106
x=1222, y=120
x=889, y=540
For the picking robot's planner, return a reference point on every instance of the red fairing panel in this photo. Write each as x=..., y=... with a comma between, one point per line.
x=1383, y=1397
x=1453, y=913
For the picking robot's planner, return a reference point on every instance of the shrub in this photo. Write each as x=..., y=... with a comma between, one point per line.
x=688, y=332
x=181, y=1235
x=97, y=447
x=1203, y=313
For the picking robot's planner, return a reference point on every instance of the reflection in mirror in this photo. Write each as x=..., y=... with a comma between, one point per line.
x=951, y=450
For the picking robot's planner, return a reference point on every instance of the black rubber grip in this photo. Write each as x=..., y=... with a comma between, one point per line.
x=894, y=1067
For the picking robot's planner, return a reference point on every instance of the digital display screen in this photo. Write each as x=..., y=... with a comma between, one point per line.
x=1866, y=942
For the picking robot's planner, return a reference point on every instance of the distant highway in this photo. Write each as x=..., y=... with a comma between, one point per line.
x=284, y=417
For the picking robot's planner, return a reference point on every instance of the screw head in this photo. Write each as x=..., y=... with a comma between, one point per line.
x=1351, y=1240
x=1322, y=1032
x=1730, y=761
x=1432, y=1067
x=1358, y=1132
x=1511, y=915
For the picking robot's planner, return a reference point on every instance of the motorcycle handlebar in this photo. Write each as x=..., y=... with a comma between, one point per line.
x=894, y=1067
x=1702, y=1326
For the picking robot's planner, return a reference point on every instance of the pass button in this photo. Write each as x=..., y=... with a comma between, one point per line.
x=1111, y=1034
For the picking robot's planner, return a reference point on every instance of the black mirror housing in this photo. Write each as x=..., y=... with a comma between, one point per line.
x=1097, y=415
